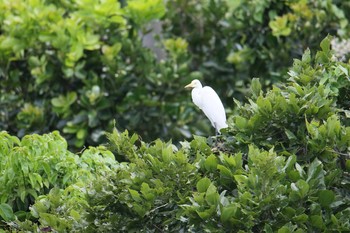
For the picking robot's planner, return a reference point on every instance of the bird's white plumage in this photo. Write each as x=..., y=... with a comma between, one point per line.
x=209, y=102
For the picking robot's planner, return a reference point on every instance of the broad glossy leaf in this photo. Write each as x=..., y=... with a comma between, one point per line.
x=205, y=214
x=212, y=196
x=6, y=212
x=290, y=162
x=241, y=122
x=301, y=218
x=241, y=179
x=256, y=86
x=303, y=188
x=326, y=197
x=211, y=163
x=314, y=170
x=135, y=195
x=289, y=211
x=317, y=221
x=203, y=184
x=284, y=229
x=325, y=45
x=228, y=212
x=224, y=171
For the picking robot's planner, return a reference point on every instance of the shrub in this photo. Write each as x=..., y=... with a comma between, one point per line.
x=35, y=165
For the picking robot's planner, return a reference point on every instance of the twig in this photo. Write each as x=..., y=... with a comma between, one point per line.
x=158, y=208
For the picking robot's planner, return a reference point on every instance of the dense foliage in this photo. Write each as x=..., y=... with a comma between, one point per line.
x=77, y=65
x=36, y=164
x=281, y=166
x=233, y=41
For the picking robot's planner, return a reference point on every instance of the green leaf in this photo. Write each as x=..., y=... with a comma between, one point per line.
x=203, y=185
x=325, y=44
x=241, y=122
x=300, y=170
x=206, y=214
x=290, y=162
x=241, y=179
x=256, y=87
x=347, y=164
x=143, y=11
x=211, y=196
x=211, y=163
x=6, y=212
x=280, y=26
x=293, y=175
x=300, y=218
x=333, y=126
x=317, y=221
x=290, y=134
x=289, y=211
x=314, y=170
x=228, y=212
x=303, y=187
x=224, y=171
x=264, y=105
x=324, y=55
x=343, y=69
x=135, y=195
x=334, y=220
x=81, y=134
x=22, y=194
x=306, y=56
x=75, y=214
x=268, y=228
x=284, y=229
x=147, y=192
x=299, y=190
x=326, y=197
x=111, y=51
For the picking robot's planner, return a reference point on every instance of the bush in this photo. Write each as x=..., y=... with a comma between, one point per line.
x=35, y=165
x=44, y=160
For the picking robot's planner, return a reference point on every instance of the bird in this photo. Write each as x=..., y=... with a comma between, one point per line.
x=209, y=102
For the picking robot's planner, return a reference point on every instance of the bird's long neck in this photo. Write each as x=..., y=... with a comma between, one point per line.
x=196, y=91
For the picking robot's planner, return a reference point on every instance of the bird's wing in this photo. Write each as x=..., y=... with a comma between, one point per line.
x=213, y=108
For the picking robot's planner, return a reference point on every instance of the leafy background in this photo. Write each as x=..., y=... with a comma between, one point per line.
x=78, y=65
x=70, y=71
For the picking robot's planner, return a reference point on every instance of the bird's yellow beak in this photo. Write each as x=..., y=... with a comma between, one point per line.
x=188, y=86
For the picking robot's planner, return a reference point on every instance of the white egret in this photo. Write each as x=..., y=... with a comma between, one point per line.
x=207, y=100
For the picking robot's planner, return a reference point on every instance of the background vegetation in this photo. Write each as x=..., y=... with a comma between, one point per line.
x=78, y=65
x=70, y=69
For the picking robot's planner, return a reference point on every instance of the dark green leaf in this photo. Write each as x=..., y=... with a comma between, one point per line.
x=326, y=197
x=6, y=212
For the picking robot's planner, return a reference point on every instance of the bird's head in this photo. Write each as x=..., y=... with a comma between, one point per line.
x=195, y=83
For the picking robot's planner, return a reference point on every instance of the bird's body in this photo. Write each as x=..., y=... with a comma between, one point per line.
x=209, y=102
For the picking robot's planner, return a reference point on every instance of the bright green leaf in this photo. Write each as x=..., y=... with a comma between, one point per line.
x=203, y=184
